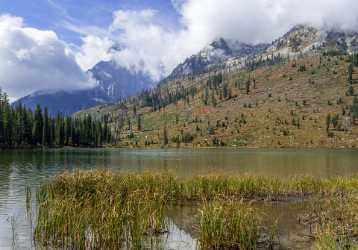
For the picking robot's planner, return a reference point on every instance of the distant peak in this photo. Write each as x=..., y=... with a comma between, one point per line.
x=302, y=29
x=220, y=43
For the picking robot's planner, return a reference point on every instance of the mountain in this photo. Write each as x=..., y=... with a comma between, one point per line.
x=113, y=84
x=215, y=54
x=118, y=82
x=224, y=53
x=303, y=39
x=275, y=95
x=64, y=102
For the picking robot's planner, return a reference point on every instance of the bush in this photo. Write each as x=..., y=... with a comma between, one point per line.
x=187, y=138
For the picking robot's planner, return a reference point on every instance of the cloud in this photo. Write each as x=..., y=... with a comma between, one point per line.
x=150, y=47
x=93, y=50
x=33, y=60
x=264, y=20
x=144, y=44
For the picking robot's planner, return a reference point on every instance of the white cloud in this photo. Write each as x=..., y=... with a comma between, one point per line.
x=145, y=45
x=33, y=60
x=93, y=50
x=150, y=47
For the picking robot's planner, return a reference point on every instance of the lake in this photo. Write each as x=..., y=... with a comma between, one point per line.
x=20, y=170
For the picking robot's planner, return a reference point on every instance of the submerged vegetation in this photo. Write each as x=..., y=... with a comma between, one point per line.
x=99, y=209
x=334, y=223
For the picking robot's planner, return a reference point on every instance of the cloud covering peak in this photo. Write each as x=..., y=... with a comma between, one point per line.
x=33, y=60
x=156, y=49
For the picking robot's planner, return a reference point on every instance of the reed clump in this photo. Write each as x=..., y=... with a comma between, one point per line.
x=85, y=186
x=334, y=223
x=228, y=226
x=99, y=209
x=100, y=219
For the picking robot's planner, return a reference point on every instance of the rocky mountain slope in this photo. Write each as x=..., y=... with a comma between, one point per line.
x=215, y=55
x=301, y=39
x=222, y=54
x=296, y=92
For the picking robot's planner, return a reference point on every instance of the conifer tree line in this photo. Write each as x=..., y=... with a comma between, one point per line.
x=21, y=127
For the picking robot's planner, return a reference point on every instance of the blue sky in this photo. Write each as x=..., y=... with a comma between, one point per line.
x=52, y=14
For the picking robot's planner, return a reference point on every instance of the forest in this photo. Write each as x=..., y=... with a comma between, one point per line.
x=23, y=128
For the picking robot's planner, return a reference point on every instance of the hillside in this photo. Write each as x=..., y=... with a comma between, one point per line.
x=299, y=91
x=281, y=105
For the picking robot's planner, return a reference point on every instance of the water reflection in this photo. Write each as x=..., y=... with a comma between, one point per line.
x=22, y=169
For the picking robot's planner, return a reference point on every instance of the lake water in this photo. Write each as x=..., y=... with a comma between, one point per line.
x=20, y=170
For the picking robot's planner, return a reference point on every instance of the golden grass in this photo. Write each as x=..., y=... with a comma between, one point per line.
x=103, y=209
x=334, y=223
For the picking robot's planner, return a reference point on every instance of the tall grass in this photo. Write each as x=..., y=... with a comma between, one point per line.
x=99, y=209
x=101, y=221
x=228, y=226
x=334, y=223
x=86, y=185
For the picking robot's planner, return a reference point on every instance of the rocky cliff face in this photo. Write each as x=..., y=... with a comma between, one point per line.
x=215, y=54
x=300, y=39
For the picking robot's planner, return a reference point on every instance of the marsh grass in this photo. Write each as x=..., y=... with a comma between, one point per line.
x=85, y=186
x=334, y=223
x=327, y=239
x=29, y=214
x=228, y=226
x=104, y=220
x=107, y=210
x=28, y=200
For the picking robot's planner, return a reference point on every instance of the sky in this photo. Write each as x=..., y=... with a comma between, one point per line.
x=49, y=45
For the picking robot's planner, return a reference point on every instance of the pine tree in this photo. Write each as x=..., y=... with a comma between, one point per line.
x=350, y=73
x=248, y=87
x=328, y=122
x=139, y=123
x=21, y=127
x=37, y=126
x=46, y=135
x=165, y=136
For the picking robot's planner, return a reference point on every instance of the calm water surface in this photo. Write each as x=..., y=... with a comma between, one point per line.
x=29, y=169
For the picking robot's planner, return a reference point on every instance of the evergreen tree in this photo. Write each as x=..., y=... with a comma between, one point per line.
x=165, y=136
x=248, y=87
x=328, y=122
x=37, y=126
x=139, y=123
x=354, y=109
x=350, y=73
x=46, y=135
x=21, y=127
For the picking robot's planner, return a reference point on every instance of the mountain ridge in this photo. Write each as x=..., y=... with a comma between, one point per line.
x=113, y=84
x=281, y=97
x=299, y=39
x=116, y=83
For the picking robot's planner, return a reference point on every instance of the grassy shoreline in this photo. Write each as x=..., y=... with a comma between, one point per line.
x=104, y=209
